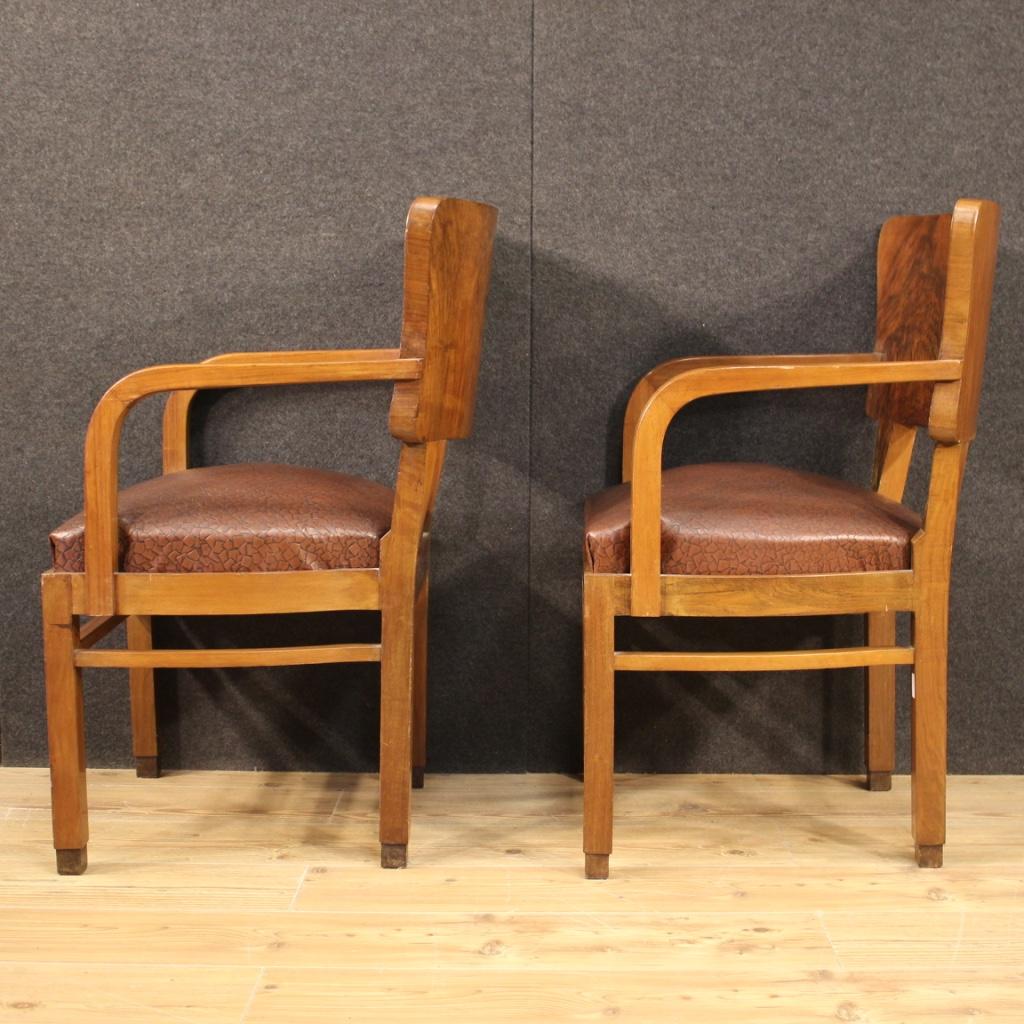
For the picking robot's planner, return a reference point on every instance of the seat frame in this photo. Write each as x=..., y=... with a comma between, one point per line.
x=934, y=295
x=448, y=245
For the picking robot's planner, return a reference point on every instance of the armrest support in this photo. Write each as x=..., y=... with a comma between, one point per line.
x=104, y=434
x=664, y=372
x=175, y=424
x=692, y=383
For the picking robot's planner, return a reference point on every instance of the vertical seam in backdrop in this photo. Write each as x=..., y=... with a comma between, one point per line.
x=529, y=402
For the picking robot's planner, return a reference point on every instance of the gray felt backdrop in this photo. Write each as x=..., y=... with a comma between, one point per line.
x=673, y=178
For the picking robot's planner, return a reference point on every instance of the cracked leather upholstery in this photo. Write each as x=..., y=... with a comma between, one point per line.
x=255, y=517
x=742, y=519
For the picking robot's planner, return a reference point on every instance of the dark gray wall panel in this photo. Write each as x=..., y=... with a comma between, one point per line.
x=710, y=177
x=194, y=178
x=705, y=177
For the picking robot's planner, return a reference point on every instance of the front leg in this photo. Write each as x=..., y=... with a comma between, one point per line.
x=598, y=725
x=65, y=720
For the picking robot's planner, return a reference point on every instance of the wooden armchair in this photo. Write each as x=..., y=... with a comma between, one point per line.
x=747, y=540
x=254, y=539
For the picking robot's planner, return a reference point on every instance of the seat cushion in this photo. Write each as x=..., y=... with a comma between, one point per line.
x=743, y=519
x=255, y=517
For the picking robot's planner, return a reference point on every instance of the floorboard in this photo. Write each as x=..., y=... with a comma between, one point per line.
x=253, y=898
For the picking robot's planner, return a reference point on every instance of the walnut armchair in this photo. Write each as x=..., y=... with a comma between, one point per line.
x=256, y=539
x=749, y=540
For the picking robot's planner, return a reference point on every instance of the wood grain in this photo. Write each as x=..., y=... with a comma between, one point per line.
x=933, y=549
x=101, y=993
x=935, y=277
x=677, y=392
x=65, y=718
x=350, y=794
x=235, y=657
x=502, y=942
x=419, y=711
x=894, y=448
x=913, y=253
x=179, y=403
x=92, y=631
x=974, y=241
x=417, y=477
x=252, y=593
x=103, y=437
x=448, y=246
x=880, y=706
x=815, y=594
x=241, y=897
x=447, y=272
x=753, y=661
x=650, y=997
x=598, y=723
x=664, y=372
x=142, y=687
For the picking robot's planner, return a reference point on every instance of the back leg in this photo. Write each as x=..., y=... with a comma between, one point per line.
x=880, y=706
x=396, y=713
x=928, y=732
x=419, y=720
x=143, y=690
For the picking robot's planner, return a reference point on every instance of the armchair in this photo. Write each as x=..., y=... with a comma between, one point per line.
x=750, y=540
x=257, y=538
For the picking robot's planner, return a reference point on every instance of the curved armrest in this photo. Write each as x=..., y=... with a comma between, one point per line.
x=666, y=371
x=104, y=434
x=175, y=423
x=698, y=382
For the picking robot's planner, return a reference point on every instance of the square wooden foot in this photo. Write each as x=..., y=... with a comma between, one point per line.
x=393, y=855
x=418, y=776
x=72, y=862
x=597, y=865
x=879, y=782
x=928, y=856
x=147, y=767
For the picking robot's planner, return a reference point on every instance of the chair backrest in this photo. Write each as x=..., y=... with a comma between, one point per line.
x=448, y=245
x=935, y=277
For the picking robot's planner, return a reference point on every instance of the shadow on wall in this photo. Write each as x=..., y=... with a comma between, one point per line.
x=593, y=340
x=327, y=717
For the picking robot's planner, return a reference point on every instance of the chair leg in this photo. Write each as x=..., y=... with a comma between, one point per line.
x=143, y=699
x=928, y=735
x=419, y=719
x=880, y=706
x=396, y=698
x=598, y=725
x=65, y=721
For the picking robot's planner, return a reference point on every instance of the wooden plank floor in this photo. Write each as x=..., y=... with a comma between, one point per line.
x=254, y=898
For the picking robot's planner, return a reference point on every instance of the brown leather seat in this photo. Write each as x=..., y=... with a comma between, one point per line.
x=742, y=519
x=255, y=517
